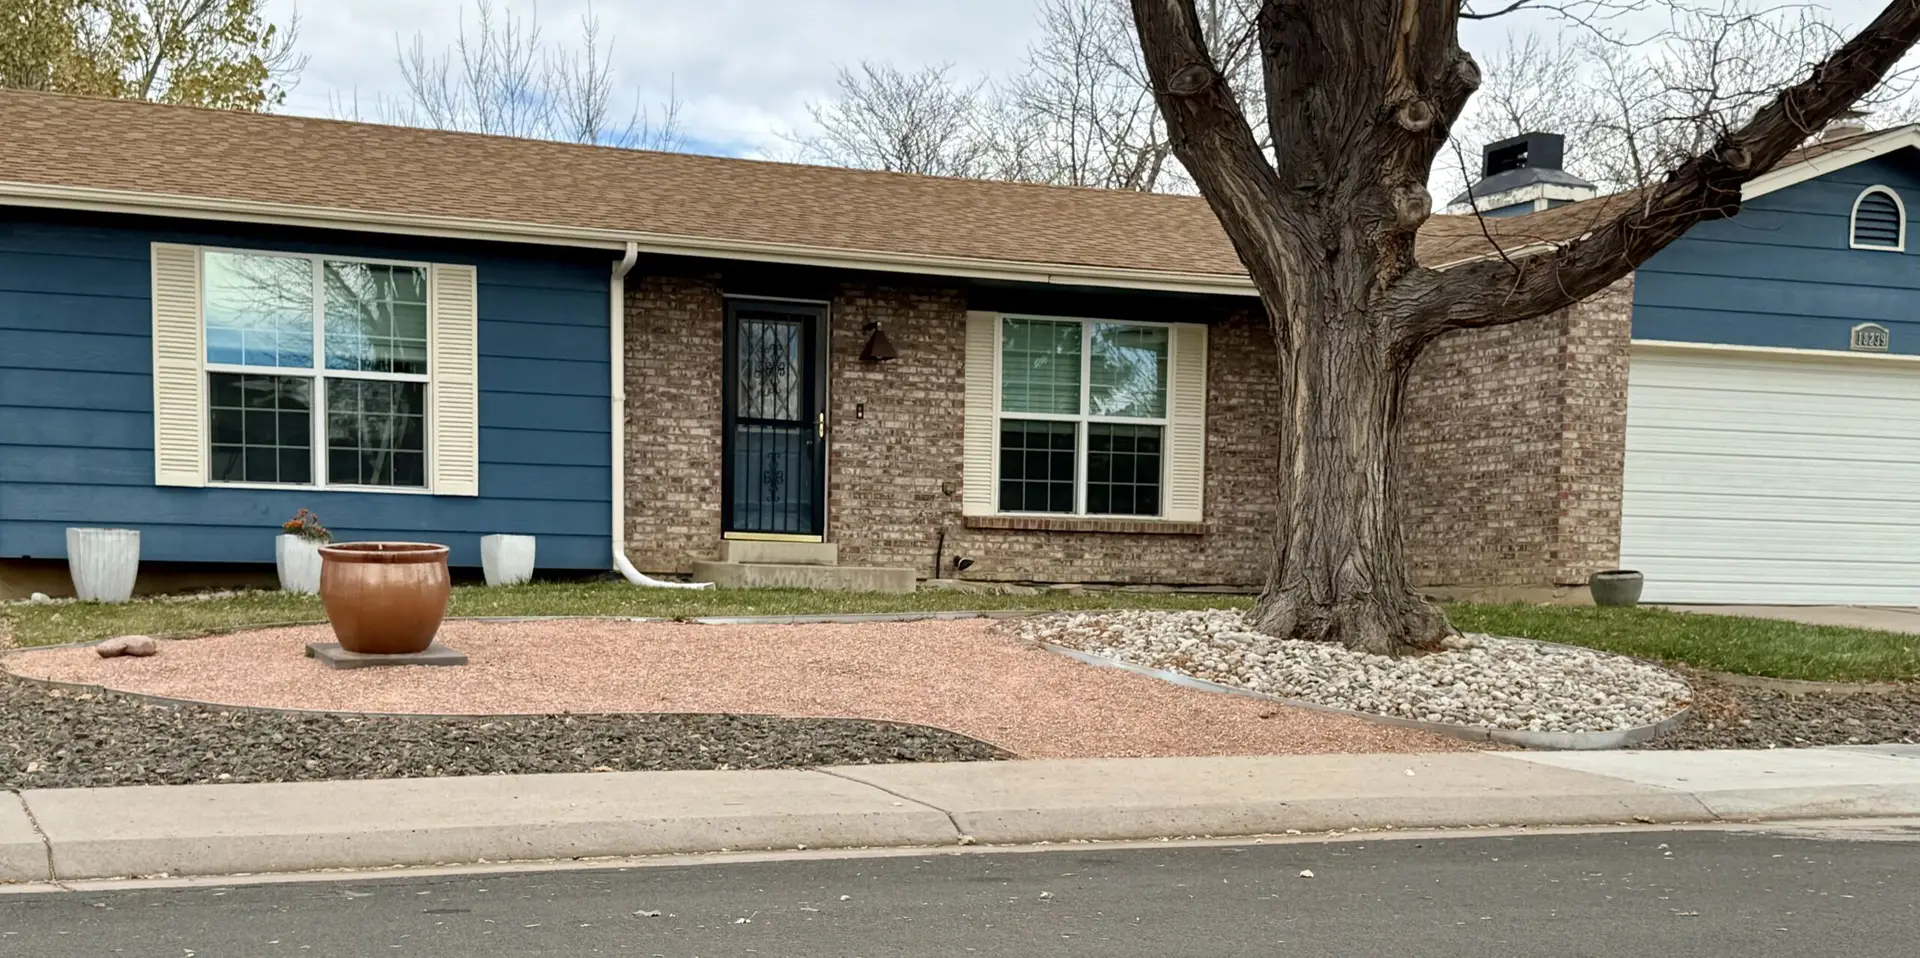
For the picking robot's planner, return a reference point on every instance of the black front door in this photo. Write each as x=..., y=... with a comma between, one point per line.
x=774, y=477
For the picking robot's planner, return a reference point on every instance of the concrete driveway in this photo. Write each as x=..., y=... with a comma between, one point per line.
x=1885, y=618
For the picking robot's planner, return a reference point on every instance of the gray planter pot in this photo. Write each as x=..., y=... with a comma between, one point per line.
x=1616, y=587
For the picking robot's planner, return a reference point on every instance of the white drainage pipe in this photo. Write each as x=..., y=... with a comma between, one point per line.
x=617, y=425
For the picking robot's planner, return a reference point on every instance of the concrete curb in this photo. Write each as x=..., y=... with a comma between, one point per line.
x=254, y=829
x=23, y=852
x=75, y=834
x=1559, y=741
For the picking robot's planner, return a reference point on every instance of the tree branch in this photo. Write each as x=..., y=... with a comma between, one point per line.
x=1209, y=133
x=1707, y=186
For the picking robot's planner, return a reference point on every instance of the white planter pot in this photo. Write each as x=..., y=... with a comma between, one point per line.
x=298, y=559
x=507, y=560
x=103, y=563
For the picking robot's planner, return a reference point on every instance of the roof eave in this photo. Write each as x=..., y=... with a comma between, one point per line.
x=1867, y=148
x=250, y=211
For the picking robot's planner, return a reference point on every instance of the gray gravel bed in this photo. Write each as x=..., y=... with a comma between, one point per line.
x=1733, y=716
x=55, y=738
x=1479, y=680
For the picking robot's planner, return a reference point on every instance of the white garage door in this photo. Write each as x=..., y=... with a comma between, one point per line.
x=1762, y=478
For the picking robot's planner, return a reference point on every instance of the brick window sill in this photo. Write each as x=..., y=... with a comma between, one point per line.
x=1132, y=527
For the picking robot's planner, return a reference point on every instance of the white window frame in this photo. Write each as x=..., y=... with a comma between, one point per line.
x=318, y=373
x=1853, y=220
x=1083, y=419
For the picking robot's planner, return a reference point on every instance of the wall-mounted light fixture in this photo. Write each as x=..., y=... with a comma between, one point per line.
x=879, y=348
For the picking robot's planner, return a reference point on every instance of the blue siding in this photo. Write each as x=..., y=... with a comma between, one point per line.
x=76, y=400
x=1782, y=273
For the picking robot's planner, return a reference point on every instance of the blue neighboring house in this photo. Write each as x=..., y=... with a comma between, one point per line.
x=1773, y=421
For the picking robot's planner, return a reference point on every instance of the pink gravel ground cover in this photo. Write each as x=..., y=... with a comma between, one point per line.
x=965, y=676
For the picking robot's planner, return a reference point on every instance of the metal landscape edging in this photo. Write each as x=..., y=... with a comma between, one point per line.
x=1557, y=741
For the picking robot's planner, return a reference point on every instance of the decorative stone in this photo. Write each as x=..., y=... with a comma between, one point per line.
x=112, y=648
x=1480, y=680
x=141, y=646
x=331, y=655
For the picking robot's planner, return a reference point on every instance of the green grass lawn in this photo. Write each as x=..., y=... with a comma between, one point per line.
x=1722, y=643
x=80, y=622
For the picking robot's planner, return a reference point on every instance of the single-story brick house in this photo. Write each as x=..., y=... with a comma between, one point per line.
x=209, y=320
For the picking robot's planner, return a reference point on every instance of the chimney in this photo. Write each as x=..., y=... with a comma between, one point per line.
x=1523, y=175
x=1851, y=122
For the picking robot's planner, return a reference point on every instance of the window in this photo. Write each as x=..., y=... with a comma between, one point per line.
x=1081, y=417
x=1879, y=220
x=316, y=370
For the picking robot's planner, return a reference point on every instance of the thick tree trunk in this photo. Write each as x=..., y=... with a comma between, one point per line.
x=1339, y=571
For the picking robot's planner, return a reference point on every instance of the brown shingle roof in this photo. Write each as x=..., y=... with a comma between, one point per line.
x=120, y=145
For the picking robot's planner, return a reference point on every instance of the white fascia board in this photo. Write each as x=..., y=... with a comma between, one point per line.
x=1868, y=147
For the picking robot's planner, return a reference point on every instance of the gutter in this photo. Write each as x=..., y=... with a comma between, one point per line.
x=617, y=425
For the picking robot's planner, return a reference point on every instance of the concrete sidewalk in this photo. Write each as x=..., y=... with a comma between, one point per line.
x=1886, y=618
x=63, y=834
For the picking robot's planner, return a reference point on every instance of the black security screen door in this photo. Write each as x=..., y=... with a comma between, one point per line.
x=775, y=471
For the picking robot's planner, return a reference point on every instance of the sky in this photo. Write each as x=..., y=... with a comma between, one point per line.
x=743, y=70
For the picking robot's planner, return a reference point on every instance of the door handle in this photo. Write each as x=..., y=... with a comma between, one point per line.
x=820, y=425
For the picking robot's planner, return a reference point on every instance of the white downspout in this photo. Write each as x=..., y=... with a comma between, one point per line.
x=617, y=361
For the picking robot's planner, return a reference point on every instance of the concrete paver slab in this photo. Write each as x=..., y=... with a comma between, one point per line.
x=1803, y=783
x=23, y=856
x=228, y=829
x=1119, y=799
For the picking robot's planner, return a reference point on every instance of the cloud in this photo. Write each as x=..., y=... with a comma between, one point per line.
x=743, y=69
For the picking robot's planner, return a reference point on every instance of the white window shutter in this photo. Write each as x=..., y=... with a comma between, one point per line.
x=983, y=397
x=179, y=386
x=1187, y=425
x=453, y=362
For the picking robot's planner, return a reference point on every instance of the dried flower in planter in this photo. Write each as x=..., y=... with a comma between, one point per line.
x=307, y=526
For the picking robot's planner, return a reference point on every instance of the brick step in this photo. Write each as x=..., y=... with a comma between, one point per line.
x=788, y=575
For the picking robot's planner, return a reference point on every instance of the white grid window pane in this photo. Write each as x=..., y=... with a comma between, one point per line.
x=259, y=310
x=1128, y=372
x=1040, y=367
x=376, y=317
x=1123, y=469
x=261, y=426
x=1036, y=466
x=376, y=433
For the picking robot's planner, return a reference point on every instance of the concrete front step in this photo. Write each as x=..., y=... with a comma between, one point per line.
x=783, y=553
x=786, y=575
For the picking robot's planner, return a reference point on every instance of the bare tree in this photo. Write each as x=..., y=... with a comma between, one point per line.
x=1080, y=112
x=1361, y=98
x=886, y=119
x=1633, y=104
x=504, y=78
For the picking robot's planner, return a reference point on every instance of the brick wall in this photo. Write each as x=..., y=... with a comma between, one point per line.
x=674, y=326
x=1516, y=438
x=897, y=471
x=1515, y=444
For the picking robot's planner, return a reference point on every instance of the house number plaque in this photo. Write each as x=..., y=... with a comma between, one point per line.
x=1871, y=337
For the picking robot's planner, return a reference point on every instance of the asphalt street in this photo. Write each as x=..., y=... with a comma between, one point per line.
x=1703, y=894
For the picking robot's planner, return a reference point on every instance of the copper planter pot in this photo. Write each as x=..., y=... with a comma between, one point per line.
x=384, y=598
